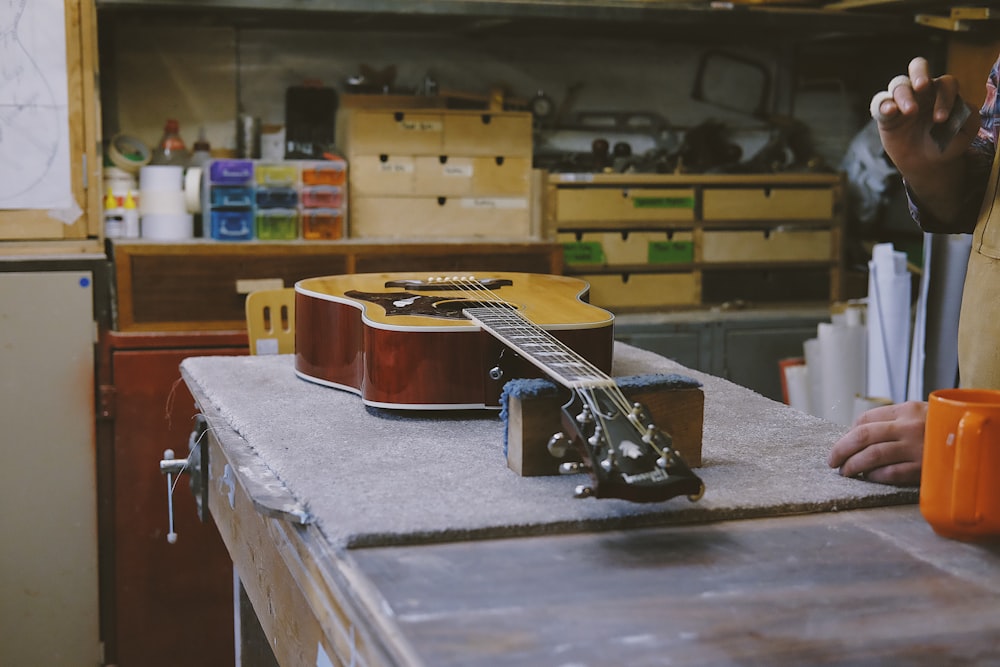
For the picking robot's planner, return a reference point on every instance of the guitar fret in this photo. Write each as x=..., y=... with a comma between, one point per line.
x=538, y=346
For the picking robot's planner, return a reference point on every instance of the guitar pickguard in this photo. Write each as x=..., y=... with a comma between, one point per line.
x=407, y=303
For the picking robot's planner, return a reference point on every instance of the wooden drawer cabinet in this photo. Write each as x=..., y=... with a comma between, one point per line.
x=439, y=174
x=673, y=241
x=202, y=285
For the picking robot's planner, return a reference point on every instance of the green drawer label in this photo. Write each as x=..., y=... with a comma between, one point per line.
x=663, y=202
x=670, y=252
x=583, y=252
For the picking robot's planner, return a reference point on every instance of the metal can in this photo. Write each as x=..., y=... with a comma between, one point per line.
x=247, y=136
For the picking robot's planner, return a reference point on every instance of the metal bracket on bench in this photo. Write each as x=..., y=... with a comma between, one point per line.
x=196, y=464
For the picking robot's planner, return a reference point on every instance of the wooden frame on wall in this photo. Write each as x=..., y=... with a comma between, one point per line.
x=21, y=230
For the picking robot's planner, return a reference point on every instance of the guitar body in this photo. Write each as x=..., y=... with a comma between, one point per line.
x=401, y=342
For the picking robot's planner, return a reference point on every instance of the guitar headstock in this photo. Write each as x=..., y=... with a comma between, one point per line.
x=626, y=455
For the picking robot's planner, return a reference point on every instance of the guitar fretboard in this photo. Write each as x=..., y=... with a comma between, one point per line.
x=538, y=346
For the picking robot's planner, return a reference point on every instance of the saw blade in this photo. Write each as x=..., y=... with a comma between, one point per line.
x=943, y=133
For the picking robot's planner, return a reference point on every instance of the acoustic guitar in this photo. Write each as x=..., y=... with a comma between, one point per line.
x=409, y=341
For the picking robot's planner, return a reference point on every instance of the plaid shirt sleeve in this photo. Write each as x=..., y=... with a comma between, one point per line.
x=980, y=161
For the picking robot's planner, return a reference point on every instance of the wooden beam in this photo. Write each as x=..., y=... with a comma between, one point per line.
x=974, y=13
x=861, y=4
x=942, y=23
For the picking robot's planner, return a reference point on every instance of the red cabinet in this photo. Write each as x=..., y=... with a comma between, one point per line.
x=163, y=604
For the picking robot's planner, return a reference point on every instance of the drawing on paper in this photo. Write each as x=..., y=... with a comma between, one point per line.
x=34, y=119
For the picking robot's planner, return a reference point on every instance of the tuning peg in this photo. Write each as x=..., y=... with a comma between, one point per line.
x=558, y=445
x=664, y=461
x=571, y=468
x=597, y=437
x=585, y=417
x=583, y=491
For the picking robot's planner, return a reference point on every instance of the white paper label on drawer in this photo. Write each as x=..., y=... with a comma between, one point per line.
x=390, y=167
x=247, y=285
x=462, y=170
x=494, y=202
x=576, y=178
x=421, y=125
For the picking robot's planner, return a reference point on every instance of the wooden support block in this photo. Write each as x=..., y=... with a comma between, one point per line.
x=531, y=421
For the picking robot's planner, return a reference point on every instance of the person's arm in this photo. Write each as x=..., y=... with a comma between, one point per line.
x=945, y=187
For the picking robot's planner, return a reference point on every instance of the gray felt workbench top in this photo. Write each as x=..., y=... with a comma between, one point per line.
x=374, y=477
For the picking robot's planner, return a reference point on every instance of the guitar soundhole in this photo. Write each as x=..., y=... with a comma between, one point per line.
x=448, y=286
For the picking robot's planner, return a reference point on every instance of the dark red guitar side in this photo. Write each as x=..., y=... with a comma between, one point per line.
x=424, y=362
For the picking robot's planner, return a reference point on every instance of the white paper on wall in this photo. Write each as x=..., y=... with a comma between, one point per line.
x=34, y=108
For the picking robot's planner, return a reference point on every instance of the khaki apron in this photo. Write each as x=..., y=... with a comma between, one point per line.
x=979, y=322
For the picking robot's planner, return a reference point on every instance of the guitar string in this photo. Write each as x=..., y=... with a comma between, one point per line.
x=608, y=387
x=521, y=323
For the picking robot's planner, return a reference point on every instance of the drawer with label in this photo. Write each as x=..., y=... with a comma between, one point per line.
x=767, y=245
x=460, y=217
x=614, y=206
x=767, y=203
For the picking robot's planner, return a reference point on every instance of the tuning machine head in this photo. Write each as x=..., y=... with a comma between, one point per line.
x=572, y=468
x=559, y=444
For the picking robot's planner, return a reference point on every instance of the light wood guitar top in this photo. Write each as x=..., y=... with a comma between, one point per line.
x=436, y=300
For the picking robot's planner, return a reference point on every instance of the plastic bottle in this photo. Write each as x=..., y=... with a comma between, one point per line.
x=202, y=150
x=114, y=226
x=172, y=149
x=130, y=217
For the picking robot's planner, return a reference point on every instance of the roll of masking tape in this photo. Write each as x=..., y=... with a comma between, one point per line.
x=128, y=153
x=192, y=189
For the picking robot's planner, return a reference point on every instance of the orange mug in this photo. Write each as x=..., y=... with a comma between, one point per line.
x=960, y=478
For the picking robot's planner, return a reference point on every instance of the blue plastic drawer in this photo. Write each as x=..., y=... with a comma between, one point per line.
x=232, y=225
x=232, y=196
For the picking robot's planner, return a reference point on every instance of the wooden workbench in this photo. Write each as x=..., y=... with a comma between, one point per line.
x=865, y=586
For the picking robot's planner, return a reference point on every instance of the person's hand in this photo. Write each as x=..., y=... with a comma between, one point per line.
x=885, y=444
x=906, y=116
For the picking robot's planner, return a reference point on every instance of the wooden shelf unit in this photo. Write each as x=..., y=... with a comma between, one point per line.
x=652, y=241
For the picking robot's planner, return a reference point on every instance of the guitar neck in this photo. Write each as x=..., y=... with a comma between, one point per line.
x=539, y=347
